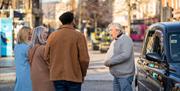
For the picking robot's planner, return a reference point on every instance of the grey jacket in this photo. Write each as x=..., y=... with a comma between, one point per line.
x=120, y=57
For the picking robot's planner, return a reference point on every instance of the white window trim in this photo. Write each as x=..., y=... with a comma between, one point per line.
x=172, y=3
x=178, y=4
x=165, y=3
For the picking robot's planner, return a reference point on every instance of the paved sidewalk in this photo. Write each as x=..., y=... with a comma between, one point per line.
x=7, y=70
x=98, y=74
x=6, y=62
x=97, y=86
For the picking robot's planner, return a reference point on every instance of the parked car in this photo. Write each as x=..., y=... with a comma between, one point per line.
x=158, y=67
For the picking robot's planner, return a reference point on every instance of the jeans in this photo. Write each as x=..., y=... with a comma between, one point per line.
x=122, y=84
x=62, y=85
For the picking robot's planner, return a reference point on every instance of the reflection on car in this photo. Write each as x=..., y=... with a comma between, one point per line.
x=158, y=67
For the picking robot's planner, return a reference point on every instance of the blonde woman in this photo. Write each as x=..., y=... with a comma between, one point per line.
x=23, y=80
x=39, y=67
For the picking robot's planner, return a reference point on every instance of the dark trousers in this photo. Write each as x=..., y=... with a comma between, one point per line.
x=62, y=85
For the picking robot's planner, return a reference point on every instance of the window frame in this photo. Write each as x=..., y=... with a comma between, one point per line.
x=150, y=33
x=170, y=54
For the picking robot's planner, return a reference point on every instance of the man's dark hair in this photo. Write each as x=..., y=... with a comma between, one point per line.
x=66, y=18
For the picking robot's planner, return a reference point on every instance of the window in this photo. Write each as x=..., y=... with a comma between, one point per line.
x=149, y=43
x=136, y=29
x=155, y=42
x=174, y=42
x=20, y=4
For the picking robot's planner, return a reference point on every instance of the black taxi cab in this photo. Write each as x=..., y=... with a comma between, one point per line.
x=158, y=67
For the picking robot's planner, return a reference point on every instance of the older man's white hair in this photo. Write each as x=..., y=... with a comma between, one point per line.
x=117, y=26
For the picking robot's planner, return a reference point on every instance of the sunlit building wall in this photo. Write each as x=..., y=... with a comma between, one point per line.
x=140, y=9
x=31, y=10
x=120, y=14
x=147, y=9
x=175, y=6
x=52, y=11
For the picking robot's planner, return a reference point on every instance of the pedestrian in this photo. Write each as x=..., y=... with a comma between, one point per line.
x=39, y=67
x=23, y=80
x=120, y=58
x=67, y=53
x=50, y=29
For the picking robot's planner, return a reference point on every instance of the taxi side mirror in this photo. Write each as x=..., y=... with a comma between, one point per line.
x=153, y=57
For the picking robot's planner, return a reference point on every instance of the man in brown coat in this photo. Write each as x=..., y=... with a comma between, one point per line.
x=67, y=54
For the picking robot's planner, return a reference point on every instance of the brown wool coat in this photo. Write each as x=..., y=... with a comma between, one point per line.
x=39, y=70
x=67, y=53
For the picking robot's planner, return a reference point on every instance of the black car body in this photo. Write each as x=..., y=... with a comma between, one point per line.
x=158, y=67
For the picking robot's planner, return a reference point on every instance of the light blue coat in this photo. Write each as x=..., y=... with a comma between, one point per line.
x=23, y=80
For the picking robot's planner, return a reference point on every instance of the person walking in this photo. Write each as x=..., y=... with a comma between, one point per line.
x=67, y=53
x=120, y=58
x=23, y=80
x=39, y=67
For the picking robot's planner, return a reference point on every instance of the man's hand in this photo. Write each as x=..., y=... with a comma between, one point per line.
x=107, y=63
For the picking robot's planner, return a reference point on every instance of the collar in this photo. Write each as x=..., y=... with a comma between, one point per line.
x=67, y=26
x=118, y=36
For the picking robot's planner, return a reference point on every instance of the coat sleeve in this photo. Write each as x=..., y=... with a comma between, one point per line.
x=47, y=49
x=126, y=48
x=83, y=55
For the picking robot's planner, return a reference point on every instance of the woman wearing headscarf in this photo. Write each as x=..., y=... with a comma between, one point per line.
x=39, y=67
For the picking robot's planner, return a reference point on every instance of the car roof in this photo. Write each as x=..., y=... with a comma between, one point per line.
x=171, y=26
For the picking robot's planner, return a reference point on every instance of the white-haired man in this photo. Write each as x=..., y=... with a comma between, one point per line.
x=120, y=58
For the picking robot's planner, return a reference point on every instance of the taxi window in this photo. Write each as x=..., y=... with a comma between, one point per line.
x=155, y=42
x=174, y=42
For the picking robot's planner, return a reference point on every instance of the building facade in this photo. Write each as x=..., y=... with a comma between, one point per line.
x=28, y=11
x=174, y=5
x=52, y=11
x=146, y=10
